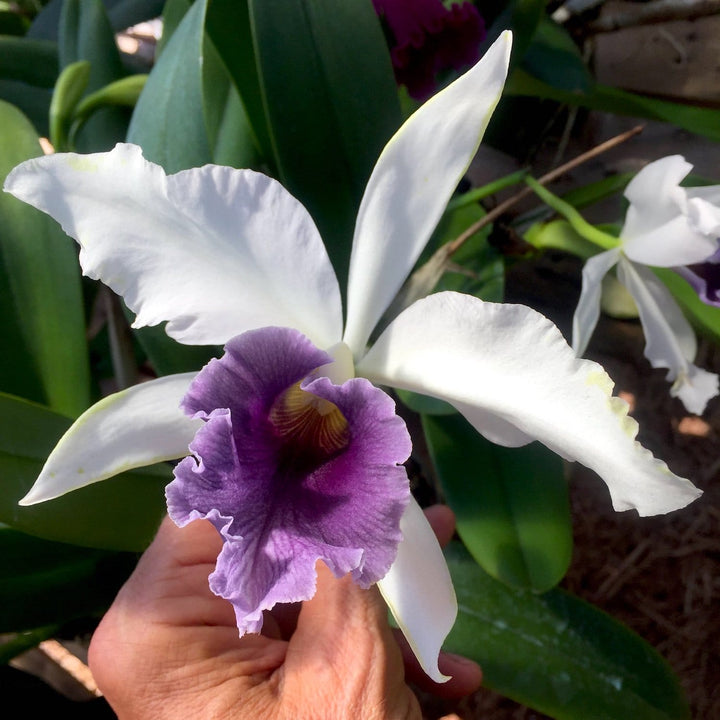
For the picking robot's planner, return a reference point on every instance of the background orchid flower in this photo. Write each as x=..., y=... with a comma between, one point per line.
x=429, y=38
x=228, y=256
x=666, y=226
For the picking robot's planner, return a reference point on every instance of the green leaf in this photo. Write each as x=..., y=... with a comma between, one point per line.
x=700, y=120
x=122, y=513
x=81, y=582
x=554, y=58
x=228, y=26
x=126, y=13
x=523, y=18
x=560, y=235
x=124, y=92
x=31, y=61
x=33, y=102
x=557, y=654
x=705, y=318
x=169, y=122
x=511, y=504
x=477, y=268
x=331, y=104
x=41, y=293
x=69, y=89
x=85, y=33
x=26, y=640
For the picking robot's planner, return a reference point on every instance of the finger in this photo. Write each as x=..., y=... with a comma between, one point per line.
x=442, y=521
x=465, y=675
x=341, y=623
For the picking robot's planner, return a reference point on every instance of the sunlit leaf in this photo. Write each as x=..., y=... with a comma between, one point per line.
x=41, y=295
x=557, y=654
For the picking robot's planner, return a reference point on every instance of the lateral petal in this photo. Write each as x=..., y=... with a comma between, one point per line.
x=588, y=307
x=411, y=184
x=419, y=592
x=213, y=250
x=510, y=362
x=658, y=229
x=138, y=426
x=669, y=340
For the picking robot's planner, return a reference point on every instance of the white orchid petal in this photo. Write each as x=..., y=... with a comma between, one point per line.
x=411, y=184
x=705, y=217
x=510, y=361
x=658, y=229
x=138, y=426
x=675, y=243
x=216, y=251
x=419, y=591
x=669, y=339
x=588, y=307
x=656, y=195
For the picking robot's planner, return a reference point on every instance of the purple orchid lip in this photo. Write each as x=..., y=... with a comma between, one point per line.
x=290, y=469
x=430, y=38
x=704, y=278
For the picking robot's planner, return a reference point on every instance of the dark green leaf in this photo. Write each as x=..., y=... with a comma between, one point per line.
x=331, y=103
x=33, y=102
x=511, y=504
x=122, y=513
x=86, y=34
x=79, y=581
x=126, y=13
x=41, y=296
x=168, y=122
x=558, y=654
x=554, y=58
x=700, y=120
x=22, y=641
x=228, y=25
x=31, y=61
x=523, y=18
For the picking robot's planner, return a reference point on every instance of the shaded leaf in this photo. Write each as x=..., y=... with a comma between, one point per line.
x=122, y=513
x=331, y=103
x=81, y=582
x=511, y=504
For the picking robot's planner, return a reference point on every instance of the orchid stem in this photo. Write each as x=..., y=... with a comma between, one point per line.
x=581, y=226
x=477, y=194
x=454, y=245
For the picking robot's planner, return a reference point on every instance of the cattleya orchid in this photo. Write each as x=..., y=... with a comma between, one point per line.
x=666, y=226
x=294, y=450
x=429, y=38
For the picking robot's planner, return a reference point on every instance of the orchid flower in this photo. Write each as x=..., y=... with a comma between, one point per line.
x=295, y=451
x=428, y=38
x=666, y=226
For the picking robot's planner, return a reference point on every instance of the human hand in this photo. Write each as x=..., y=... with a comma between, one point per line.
x=169, y=648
